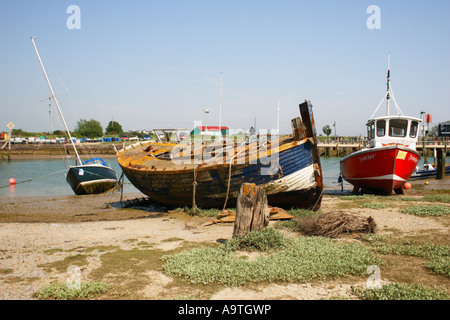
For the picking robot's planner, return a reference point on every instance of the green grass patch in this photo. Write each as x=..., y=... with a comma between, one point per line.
x=399, y=291
x=444, y=198
x=374, y=205
x=60, y=291
x=61, y=266
x=437, y=198
x=5, y=271
x=300, y=259
x=266, y=240
x=211, y=213
x=428, y=210
x=51, y=251
x=302, y=213
x=292, y=224
x=437, y=256
x=360, y=197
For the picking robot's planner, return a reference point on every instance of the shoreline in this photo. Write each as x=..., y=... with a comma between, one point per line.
x=103, y=207
x=55, y=156
x=42, y=236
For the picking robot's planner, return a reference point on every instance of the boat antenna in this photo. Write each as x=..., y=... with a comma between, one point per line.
x=50, y=109
x=278, y=118
x=56, y=101
x=220, y=109
x=388, y=84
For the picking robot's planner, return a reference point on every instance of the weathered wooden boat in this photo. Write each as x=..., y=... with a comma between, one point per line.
x=89, y=177
x=391, y=157
x=210, y=175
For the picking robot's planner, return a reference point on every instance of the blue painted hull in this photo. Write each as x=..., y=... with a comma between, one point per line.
x=288, y=169
x=176, y=188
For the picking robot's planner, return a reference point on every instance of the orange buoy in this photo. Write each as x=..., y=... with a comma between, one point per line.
x=407, y=186
x=12, y=181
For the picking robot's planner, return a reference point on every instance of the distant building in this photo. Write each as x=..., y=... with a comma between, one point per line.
x=444, y=129
x=210, y=130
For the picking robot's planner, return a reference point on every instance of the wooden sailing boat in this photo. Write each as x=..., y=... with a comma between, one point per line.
x=89, y=177
x=391, y=157
x=210, y=176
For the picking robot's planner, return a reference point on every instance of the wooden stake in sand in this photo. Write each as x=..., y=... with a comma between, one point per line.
x=252, y=212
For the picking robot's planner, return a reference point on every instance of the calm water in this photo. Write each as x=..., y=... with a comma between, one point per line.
x=46, y=177
x=43, y=177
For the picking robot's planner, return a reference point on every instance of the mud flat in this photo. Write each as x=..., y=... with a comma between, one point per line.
x=40, y=150
x=37, y=234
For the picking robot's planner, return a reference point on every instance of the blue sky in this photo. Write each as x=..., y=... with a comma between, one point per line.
x=157, y=64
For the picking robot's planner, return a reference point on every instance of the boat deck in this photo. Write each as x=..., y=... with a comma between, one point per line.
x=170, y=157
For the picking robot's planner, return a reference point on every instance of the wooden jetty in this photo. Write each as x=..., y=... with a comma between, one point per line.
x=343, y=147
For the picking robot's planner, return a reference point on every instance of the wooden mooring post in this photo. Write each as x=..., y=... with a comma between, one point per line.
x=6, y=155
x=440, y=155
x=252, y=211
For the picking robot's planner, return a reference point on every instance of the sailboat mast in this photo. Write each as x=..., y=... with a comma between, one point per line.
x=388, y=85
x=56, y=101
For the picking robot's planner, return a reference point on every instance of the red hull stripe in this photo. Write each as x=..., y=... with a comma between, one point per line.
x=385, y=177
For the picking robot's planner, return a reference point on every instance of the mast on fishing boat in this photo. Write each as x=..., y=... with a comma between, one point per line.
x=388, y=84
x=56, y=101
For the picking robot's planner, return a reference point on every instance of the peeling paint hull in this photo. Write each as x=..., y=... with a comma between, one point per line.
x=290, y=174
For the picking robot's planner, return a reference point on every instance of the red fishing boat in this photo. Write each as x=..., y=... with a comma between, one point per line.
x=391, y=158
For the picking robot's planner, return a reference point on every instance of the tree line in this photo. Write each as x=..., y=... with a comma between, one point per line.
x=92, y=128
x=84, y=129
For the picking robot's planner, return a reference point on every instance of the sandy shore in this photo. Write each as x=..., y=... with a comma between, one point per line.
x=32, y=227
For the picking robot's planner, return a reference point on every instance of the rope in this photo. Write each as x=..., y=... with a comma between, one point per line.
x=371, y=117
x=395, y=102
x=35, y=178
x=228, y=186
x=121, y=180
x=229, y=174
x=194, y=184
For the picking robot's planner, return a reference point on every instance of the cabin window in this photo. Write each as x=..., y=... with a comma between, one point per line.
x=371, y=130
x=398, y=127
x=414, y=127
x=381, y=128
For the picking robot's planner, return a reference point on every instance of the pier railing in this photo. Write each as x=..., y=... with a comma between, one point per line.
x=358, y=144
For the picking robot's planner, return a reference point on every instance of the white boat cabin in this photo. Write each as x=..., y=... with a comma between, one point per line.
x=390, y=130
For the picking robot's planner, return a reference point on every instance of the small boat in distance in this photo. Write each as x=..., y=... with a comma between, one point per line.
x=89, y=177
x=427, y=171
x=210, y=175
x=391, y=157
